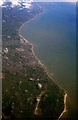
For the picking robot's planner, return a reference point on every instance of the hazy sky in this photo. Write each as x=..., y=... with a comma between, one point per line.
x=57, y=0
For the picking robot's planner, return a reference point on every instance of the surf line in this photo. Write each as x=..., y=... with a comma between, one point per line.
x=32, y=49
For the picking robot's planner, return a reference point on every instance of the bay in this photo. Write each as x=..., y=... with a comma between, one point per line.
x=53, y=35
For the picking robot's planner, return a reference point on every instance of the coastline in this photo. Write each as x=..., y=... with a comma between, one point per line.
x=43, y=66
x=65, y=109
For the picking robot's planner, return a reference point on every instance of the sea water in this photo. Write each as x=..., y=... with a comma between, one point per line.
x=53, y=35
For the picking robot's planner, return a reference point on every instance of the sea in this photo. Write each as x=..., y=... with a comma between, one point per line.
x=53, y=35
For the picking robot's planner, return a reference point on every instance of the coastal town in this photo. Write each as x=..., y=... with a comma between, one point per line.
x=28, y=90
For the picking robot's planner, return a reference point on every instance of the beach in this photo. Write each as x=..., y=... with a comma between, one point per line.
x=49, y=75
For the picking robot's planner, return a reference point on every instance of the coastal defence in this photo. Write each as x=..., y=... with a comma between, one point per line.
x=50, y=76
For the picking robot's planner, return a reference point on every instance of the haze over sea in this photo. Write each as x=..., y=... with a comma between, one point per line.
x=53, y=35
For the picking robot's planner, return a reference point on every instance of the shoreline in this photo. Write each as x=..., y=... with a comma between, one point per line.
x=65, y=109
x=43, y=66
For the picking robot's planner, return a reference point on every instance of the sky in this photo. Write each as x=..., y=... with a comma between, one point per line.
x=57, y=0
